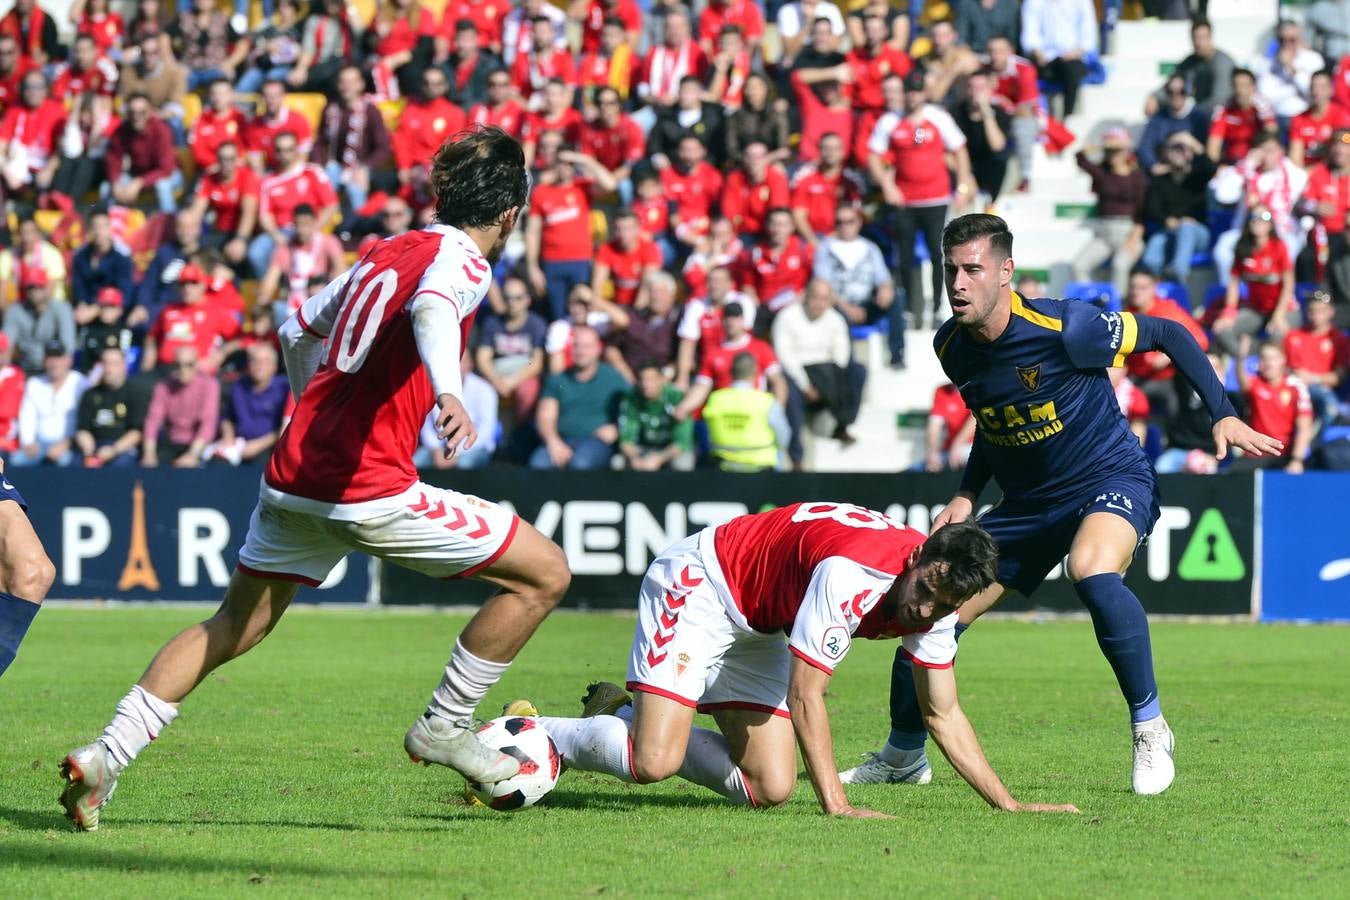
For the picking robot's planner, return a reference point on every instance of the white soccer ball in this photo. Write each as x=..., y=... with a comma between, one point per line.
x=540, y=764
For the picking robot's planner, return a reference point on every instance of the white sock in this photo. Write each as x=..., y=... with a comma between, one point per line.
x=602, y=744
x=707, y=762
x=138, y=720
x=467, y=678
x=894, y=756
x=597, y=744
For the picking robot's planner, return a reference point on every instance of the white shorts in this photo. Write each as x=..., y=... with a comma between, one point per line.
x=689, y=649
x=444, y=534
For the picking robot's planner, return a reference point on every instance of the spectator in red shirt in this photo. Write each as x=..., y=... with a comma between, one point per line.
x=819, y=190
x=1278, y=405
x=310, y=255
x=624, y=262
x=1018, y=86
x=874, y=62
x=13, y=66
x=544, y=62
x=228, y=191
x=140, y=156
x=907, y=156
x=752, y=189
x=1153, y=370
x=558, y=248
x=1319, y=355
x=211, y=332
x=950, y=432
x=86, y=71
x=1261, y=264
x=295, y=182
x=557, y=114
x=593, y=14
x=715, y=370
x=486, y=16
x=612, y=64
x=1236, y=123
x=653, y=211
x=96, y=21
x=1311, y=130
x=397, y=29
x=276, y=117
x=219, y=122
x=691, y=185
x=743, y=14
x=424, y=125
x=701, y=326
x=502, y=109
x=720, y=248
x=29, y=136
x=615, y=140
x=777, y=270
x=825, y=109
x=11, y=396
x=1327, y=196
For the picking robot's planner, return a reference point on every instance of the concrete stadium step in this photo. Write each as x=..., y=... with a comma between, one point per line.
x=1157, y=39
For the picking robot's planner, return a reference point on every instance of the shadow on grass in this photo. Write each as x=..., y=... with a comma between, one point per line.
x=32, y=820
x=70, y=856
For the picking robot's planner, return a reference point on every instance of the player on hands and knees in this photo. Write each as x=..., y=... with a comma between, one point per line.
x=368, y=357
x=26, y=574
x=1075, y=481
x=712, y=613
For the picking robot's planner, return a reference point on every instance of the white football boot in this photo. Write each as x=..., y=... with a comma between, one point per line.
x=875, y=770
x=1153, y=766
x=89, y=783
x=432, y=739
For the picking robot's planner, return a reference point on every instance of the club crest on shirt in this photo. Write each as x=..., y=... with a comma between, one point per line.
x=1030, y=376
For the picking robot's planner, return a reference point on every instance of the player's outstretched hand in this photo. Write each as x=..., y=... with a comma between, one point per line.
x=958, y=510
x=1046, y=808
x=454, y=426
x=857, y=812
x=1233, y=432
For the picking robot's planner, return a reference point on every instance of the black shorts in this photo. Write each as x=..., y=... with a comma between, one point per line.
x=1034, y=537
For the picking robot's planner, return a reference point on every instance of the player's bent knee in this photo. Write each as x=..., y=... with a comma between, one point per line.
x=30, y=576
x=1090, y=563
x=772, y=790
x=650, y=768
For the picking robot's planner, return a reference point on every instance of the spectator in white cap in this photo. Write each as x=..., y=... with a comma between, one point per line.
x=1120, y=186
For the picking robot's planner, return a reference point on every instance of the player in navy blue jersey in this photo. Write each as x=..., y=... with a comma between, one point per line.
x=26, y=574
x=1075, y=480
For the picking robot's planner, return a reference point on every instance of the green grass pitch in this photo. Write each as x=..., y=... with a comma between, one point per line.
x=286, y=776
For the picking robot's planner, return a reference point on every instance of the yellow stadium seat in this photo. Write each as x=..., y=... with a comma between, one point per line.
x=391, y=111
x=308, y=105
x=435, y=8
x=47, y=219
x=365, y=11
x=599, y=227
x=249, y=103
x=192, y=108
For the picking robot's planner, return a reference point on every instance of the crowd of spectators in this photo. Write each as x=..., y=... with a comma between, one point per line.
x=723, y=194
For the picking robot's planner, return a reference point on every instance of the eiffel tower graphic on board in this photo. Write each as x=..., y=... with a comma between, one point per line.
x=139, y=570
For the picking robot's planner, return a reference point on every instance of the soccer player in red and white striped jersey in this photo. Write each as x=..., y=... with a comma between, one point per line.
x=368, y=358
x=713, y=614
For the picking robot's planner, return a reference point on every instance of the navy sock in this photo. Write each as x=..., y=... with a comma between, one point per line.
x=1122, y=633
x=907, y=729
x=16, y=615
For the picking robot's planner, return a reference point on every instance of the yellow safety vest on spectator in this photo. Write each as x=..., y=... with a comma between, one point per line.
x=739, y=429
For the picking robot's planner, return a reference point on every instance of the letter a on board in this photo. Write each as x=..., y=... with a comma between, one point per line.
x=1212, y=554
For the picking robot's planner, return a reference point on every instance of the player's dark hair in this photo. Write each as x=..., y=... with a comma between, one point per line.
x=970, y=555
x=478, y=176
x=973, y=226
x=1244, y=71
x=1141, y=269
x=1200, y=22
x=465, y=25
x=304, y=209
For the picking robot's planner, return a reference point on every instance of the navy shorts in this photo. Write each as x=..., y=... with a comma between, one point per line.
x=10, y=492
x=1034, y=537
